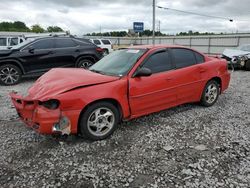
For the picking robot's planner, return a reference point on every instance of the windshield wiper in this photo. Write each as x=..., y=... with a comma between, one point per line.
x=97, y=71
x=104, y=73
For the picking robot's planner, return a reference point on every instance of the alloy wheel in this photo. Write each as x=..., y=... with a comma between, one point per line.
x=211, y=93
x=101, y=121
x=85, y=64
x=9, y=75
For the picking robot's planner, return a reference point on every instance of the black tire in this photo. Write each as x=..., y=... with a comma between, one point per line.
x=247, y=65
x=10, y=74
x=210, y=93
x=93, y=123
x=84, y=63
x=105, y=52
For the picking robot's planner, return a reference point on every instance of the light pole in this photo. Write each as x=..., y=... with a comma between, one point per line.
x=153, y=22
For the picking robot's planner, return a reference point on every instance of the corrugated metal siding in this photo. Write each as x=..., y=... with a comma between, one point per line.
x=211, y=44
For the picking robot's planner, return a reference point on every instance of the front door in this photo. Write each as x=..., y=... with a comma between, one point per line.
x=38, y=56
x=156, y=92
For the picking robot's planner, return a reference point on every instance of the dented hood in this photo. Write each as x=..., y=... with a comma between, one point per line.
x=234, y=52
x=60, y=80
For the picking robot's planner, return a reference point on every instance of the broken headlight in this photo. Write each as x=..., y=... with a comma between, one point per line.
x=234, y=59
x=51, y=104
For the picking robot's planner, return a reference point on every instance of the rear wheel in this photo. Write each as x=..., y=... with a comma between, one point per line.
x=247, y=65
x=84, y=63
x=99, y=121
x=105, y=52
x=10, y=74
x=210, y=93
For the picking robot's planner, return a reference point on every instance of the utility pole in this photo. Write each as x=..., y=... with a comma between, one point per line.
x=159, y=26
x=153, y=22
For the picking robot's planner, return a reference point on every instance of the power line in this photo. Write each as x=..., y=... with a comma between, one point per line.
x=194, y=13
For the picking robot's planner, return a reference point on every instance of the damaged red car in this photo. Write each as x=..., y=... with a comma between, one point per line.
x=126, y=84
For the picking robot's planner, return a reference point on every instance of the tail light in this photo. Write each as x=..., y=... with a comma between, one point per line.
x=100, y=50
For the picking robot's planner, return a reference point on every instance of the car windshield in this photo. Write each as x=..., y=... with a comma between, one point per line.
x=245, y=48
x=118, y=63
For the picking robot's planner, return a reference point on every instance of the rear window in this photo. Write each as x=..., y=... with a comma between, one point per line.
x=106, y=42
x=97, y=42
x=199, y=57
x=65, y=43
x=83, y=42
x=3, y=41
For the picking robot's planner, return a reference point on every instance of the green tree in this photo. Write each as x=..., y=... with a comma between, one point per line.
x=37, y=29
x=15, y=26
x=20, y=26
x=54, y=29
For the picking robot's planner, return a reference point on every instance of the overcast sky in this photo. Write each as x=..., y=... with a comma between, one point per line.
x=84, y=16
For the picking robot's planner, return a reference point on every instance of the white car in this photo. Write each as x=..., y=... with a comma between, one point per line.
x=239, y=58
x=9, y=41
x=105, y=44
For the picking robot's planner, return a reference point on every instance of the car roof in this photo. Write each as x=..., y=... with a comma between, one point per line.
x=157, y=46
x=161, y=46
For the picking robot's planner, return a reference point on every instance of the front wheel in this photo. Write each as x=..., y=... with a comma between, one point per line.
x=99, y=121
x=10, y=74
x=210, y=93
x=247, y=65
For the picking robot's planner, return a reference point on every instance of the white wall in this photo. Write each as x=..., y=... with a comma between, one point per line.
x=210, y=44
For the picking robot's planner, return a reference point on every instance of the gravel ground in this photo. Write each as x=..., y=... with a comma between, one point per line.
x=186, y=146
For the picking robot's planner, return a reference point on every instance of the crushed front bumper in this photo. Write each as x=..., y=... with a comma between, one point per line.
x=43, y=120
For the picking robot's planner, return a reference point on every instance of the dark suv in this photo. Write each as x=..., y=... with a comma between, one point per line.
x=42, y=54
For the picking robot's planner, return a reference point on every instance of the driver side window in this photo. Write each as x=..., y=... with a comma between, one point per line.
x=159, y=62
x=42, y=44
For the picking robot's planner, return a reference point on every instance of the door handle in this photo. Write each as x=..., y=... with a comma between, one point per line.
x=51, y=52
x=77, y=50
x=202, y=70
x=169, y=79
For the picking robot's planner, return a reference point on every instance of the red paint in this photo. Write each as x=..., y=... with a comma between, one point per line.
x=77, y=88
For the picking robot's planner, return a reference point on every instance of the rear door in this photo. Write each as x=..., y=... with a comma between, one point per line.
x=65, y=52
x=188, y=75
x=156, y=92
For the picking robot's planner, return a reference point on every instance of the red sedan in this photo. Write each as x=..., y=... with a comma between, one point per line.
x=123, y=85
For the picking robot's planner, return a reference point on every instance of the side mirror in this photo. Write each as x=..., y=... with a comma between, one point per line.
x=143, y=72
x=31, y=49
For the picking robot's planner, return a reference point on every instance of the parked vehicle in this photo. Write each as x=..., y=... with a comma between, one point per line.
x=105, y=44
x=238, y=58
x=8, y=41
x=126, y=84
x=42, y=54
